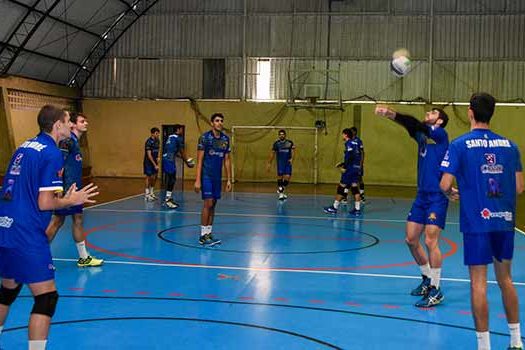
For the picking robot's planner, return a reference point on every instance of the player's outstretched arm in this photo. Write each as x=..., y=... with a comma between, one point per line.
x=49, y=200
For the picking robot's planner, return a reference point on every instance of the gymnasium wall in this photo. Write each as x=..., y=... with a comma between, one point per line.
x=119, y=129
x=21, y=99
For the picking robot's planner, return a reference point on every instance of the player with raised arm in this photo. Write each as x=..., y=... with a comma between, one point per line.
x=429, y=210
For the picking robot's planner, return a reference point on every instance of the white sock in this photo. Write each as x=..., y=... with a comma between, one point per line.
x=151, y=190
x=336, y=204
x=357, y=205
x=435, y=276
x=203, y=230
x=82, y=251
x=515, y=335
x=208, y=229
x=483, y=340
x=168, y=195
x=37, y=344
x=425, y=270
x=147, y=191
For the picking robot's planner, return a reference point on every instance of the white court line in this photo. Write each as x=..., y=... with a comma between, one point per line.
x=261, y=269
x=256, y=215
x=111, y=202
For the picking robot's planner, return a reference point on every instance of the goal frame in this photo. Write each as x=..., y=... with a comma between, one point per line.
x=274, y=127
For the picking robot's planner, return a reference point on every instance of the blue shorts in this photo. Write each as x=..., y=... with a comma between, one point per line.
x=149, y=169
x=350, y=177
x=211, y=188
x=429, y=208
x=482, y=248
x=27, y=266
x=76, y=209
x=284, y=169
x=169, y=167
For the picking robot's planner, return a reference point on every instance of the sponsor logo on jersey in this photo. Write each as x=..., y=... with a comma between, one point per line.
x=6, y=221
x=491, y=167
x=487, y=215
x=16, y=167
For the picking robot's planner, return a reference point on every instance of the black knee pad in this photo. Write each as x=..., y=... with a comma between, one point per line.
x=355, y=190
x=285, y=183
x=45, y=304
x=8, y=296
x=340, y=190
x=279, y=183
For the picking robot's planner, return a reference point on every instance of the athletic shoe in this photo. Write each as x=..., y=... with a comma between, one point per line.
x=515, y=348
x=434, y=297
x=208, y=240
x=90, y=261
x=422, y=289
x=282, y=196
x=149, y=198
x=152, y=194
x=170, y=203
x=330, y=210
x=355, y=212
x=285, y=196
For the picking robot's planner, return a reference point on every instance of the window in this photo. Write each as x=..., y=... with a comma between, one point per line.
x=263, y=79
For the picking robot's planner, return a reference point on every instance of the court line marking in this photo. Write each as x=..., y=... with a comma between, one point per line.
x=255, y=215
x=114, y=201
x=263, y=269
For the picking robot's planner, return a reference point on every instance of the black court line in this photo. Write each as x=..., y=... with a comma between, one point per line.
x=310, y=308
x=89, y=320
x=161, y=235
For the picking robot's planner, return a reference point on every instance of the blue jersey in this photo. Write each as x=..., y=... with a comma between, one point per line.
x=353, y=155
x=215, y=149
x=485, y=166
x=174, y=144
x=152, y=145
x=432, y=147
x=283, y=150
x=37, y=165
x=72, y=161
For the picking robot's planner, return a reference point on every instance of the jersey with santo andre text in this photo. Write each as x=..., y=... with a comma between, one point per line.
x=36, y=166
x=485, y=165
x=215, y=149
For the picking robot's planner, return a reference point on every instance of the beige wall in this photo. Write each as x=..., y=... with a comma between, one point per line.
x=118, y=130
x=17, y=125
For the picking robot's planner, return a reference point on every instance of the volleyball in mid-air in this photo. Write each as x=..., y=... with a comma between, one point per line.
x=400, y=64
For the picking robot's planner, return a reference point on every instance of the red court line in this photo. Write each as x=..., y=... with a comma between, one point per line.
x=453, y=250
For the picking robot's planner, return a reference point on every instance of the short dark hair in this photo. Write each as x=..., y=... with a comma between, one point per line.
x=216, y=115
x=282, y=131
x=154, y=130
x=347, y=132
x=354, y=130
x=74, y=116
x=48, y=116
x=443, y=116
x=483, y=105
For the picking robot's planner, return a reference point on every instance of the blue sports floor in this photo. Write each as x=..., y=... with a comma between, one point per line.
x=287, y=276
